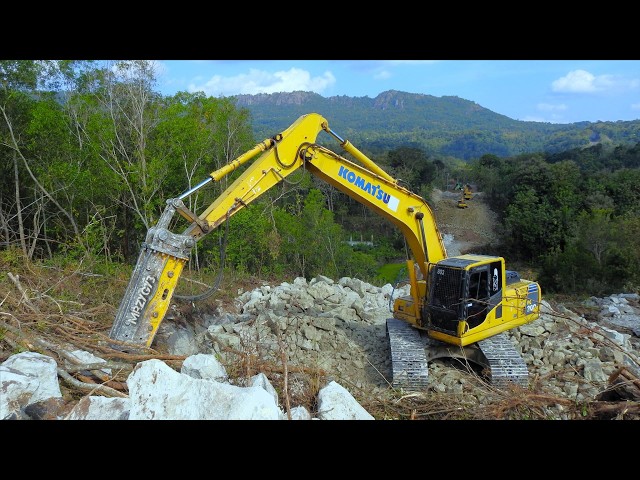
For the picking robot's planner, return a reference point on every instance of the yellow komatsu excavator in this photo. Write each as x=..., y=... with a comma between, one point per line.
x=457, y=307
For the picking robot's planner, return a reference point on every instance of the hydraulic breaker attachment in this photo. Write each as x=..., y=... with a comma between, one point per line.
x=148, y=295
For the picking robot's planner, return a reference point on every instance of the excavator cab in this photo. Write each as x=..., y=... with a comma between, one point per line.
x=470, y=301
x=463, y=291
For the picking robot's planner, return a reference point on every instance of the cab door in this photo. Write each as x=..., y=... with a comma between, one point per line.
x=477, y=299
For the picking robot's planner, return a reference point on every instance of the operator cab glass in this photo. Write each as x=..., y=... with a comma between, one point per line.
x=463, y=288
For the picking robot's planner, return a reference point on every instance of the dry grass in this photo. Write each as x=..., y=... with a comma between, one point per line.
x=54, y=309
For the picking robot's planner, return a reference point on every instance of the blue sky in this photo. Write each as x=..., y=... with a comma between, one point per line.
x=556, y=91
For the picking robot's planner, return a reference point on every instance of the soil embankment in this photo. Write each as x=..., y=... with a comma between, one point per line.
x=464, y=230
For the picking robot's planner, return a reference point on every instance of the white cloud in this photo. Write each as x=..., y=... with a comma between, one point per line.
x=386, y=69
x=547, y=107
x=262, y=81
x=382, y=75
x=635, y=106
x=551, y=119
x=530, y=118
x=552, y=113
x=575, y=81
x=581, y=81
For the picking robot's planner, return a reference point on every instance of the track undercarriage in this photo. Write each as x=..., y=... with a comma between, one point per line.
x=412, y=350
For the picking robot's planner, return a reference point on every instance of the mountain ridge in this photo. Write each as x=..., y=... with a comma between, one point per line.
x=445, y=126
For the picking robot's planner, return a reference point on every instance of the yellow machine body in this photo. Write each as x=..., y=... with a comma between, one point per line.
x=441, y=299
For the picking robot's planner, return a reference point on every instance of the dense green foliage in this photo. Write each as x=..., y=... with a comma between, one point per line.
x=90, y=152
x=576, y=215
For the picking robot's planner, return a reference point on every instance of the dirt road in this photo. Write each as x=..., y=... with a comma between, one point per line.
x=464, y=230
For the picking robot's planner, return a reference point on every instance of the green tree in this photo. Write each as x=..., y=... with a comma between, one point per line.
x=24, y=86
x=196, y=135
x=531, y=226
x=252, y=246
x=412, y=166
x=602, y=257
x=311, y=241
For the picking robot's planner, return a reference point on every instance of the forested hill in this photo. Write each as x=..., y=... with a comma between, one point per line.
x=448, y=125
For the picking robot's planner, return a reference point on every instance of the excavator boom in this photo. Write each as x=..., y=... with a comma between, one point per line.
x=164, y=254
x=454, y=301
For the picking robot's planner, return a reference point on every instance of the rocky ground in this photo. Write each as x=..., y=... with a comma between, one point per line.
x=324, y=330
x=335, y=330
x=583, y=359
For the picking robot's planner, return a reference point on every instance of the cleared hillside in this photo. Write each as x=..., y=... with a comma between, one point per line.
x=464, y=230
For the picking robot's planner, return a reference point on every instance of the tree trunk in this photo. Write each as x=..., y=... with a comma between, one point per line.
x=16, y=177
x=5, y=225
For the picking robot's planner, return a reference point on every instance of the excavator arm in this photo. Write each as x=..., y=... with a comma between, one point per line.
x=164, y=254
x=467, y=301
